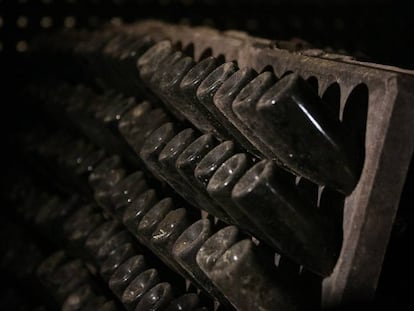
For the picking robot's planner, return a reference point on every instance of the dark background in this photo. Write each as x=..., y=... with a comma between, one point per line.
x=378, y=31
